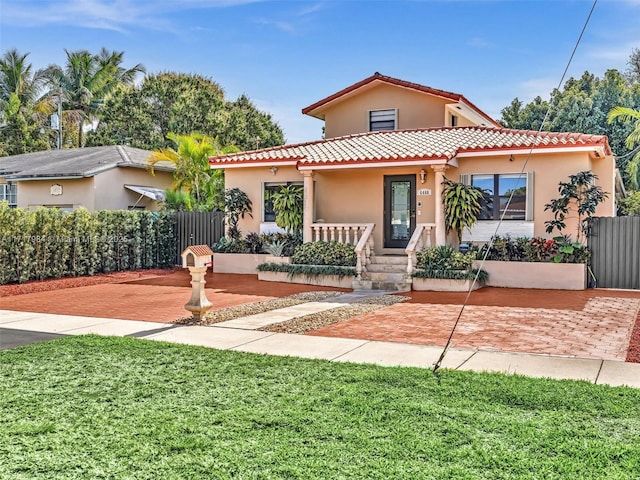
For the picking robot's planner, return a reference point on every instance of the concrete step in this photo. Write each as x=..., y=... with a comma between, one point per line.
x=392, y=286
x=387, y=268
x=384, y=276
x=389, y=259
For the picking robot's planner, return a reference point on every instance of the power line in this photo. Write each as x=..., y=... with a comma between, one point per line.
x=520, y=176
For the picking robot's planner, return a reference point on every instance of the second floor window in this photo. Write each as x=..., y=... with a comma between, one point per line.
x=9, y=192
x=382, y=120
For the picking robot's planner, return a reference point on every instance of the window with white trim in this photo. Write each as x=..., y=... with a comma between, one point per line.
x=498, y=189
x=9, y=192
x=382, y=120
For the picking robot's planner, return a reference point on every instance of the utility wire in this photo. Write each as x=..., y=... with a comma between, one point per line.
x=438, y=363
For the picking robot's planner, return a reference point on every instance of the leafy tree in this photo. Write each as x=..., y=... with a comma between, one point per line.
x=581, y=194
x=633, y=71
x=85, y=82
x=528, y=118
x=630, y=205
x=23, y=114
x=181, y=103
x=462, y=205
x=632, y=142
x=193, y=174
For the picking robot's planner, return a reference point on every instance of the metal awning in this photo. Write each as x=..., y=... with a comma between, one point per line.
x=153, y=193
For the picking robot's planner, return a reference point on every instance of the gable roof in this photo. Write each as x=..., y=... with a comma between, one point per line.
x=316, y=109
x=406, y=147
x=74, y=162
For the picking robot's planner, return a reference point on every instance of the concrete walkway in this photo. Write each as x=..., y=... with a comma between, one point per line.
x=246, y=339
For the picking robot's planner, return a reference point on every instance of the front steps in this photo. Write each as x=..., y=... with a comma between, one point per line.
x=385, y=272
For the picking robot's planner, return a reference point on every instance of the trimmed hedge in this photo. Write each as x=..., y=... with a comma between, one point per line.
x=307, y=270
x=49, y=243
x=325, y=253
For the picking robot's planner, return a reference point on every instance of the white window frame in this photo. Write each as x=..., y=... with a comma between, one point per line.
x=384, y=115
x=9, y=192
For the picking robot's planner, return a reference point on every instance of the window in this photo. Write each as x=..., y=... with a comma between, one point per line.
x=454, y=121
x=382, y=120
x=269, y=190
x=9, y=192
x=498, y=189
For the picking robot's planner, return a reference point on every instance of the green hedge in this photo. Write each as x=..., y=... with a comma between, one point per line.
x=307, y=270
x=49, y=243
x=325, y=253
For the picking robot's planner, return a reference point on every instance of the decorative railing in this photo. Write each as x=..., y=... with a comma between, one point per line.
x=420, y=239
x=357, y=234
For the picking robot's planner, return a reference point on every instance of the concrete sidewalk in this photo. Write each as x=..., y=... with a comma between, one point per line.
x=246, y=339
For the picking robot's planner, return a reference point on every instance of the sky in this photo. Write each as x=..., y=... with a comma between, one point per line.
x=286, y=55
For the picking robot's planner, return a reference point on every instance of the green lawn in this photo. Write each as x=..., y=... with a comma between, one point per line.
x=92, y=407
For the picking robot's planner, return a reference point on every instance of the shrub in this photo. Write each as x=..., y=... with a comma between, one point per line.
x=630, y=205
x=446, y=263
x=537, y=249
x=325, y=253
x=307, y=270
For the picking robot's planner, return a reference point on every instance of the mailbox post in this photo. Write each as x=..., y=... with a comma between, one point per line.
x=197, y=258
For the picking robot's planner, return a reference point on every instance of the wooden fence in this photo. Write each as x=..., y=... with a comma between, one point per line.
x=197, y=228
x=615, y=252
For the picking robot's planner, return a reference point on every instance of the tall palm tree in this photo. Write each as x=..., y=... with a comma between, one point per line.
x=193, y=173
x=86, y=80
x=632, y=142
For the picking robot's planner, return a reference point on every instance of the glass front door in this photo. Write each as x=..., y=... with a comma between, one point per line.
x=399, y=210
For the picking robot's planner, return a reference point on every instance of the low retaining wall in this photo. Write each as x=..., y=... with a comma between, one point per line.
x=554, y=276
x=443, y=285
x=319, y=280
x=237, y=262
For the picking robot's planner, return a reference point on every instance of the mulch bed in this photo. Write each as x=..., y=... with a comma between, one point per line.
x=633, y=353
x=73, y=282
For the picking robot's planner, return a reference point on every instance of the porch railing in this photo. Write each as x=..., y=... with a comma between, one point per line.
x=421, y=238
x=357, y=234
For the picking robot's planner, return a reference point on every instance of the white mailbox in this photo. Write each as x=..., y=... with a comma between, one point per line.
x=196, y=256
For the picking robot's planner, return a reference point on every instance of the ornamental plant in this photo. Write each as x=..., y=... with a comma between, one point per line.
x=289, y=207
x=462, y=205
x=236, y=205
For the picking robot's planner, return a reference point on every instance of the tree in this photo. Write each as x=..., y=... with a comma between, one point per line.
x=236, y=205
x=181, y=103
x=633, y=71
x=288, y=203
x=193, y=174
x=528, y=118
x=581, y=194
x=85, y=82
x=632, y=142
x=23, y=114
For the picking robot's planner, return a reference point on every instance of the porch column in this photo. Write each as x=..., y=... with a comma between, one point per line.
x=441, y=233
x=309, y=202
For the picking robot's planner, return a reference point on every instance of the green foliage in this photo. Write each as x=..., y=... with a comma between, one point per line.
x=582, y=105
x=236, y=205
x=142, y=116
x=193, y=174
x=505, y=249
x=275, y=248
x=630, y=205
x=632, y=142
x=48, y=243
x=289, y=207
x=579, y=194
x=444, y=262
x=462, y=205
x=325, y=253
x=254, y=243
x=570, y=252
x=537, y=249
x=308, y=271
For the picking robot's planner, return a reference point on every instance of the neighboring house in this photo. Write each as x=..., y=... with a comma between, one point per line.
x=96, y=178
x=388, y=146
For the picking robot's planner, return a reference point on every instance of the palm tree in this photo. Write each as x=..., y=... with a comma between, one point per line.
x=632, y=142
x=193, y=173
x=86, y=80
x=17, y=76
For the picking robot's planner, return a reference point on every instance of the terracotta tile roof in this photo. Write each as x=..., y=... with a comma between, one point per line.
x=198, y=250
x=435, y=145
x=456, y=97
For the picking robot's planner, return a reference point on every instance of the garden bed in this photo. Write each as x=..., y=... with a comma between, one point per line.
x=319, y=280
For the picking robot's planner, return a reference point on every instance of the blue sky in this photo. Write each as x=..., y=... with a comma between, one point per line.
x=286, y=55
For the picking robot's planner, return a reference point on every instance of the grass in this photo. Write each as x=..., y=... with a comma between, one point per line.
x=93, y=407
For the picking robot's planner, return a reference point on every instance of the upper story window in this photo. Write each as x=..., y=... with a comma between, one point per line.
x=454, y=120
x=499, y=188
x=9, y=192
x=382, y=120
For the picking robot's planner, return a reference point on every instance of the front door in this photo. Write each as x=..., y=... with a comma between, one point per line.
x=399, y=210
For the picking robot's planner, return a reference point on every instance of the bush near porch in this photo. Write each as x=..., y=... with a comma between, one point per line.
x=318, y=259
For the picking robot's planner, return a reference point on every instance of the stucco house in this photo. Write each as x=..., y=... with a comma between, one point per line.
x=388, y=145
x=96, y=178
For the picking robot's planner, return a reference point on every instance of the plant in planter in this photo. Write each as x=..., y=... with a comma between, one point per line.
x=462, y=206
x=236, y=205
x=289, y=206
x=444, y=262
